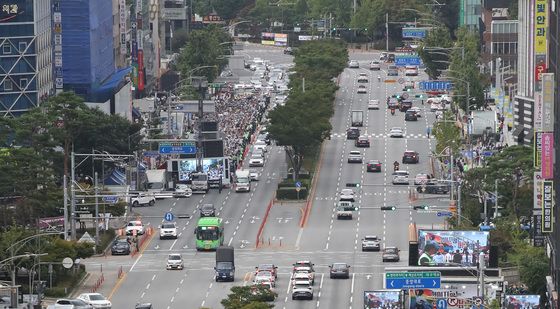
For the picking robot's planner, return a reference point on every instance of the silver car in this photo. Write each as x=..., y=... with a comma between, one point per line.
x=371, y=243
x=355, y=157
x=401, y=178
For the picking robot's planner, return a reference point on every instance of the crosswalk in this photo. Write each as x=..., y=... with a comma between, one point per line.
x=335, y=198
x=382, y=136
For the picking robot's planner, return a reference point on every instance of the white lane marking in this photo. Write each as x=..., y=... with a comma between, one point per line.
x=173, y=244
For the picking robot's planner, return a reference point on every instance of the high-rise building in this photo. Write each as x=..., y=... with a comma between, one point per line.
x=469, y=13
x=26, y=55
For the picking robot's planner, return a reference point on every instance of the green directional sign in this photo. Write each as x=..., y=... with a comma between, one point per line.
x=414, y=275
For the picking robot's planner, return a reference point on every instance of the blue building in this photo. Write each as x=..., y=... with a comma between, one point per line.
x=26, y=61
x=87, y=47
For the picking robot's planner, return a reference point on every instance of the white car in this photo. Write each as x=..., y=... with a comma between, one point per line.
x=133, y=226
x=416, y=110
x=254, y=175
x=353, y=64
x=373, y=104
x=411, y=70
x=143, y=199
x=182, y=190
x=355, y=157
x=302, y=289
x=396, y=132
x=362, y=89
x=168, y=230
x=421, y=178
x=347, y=195
x=375, y=65
x=371, y=243
x=307, y=271
x=96, y=300
x=175, y=261
x=401, y=178
x=69, y=304
x=260, y=145
x=256, y=160
x=264, y=276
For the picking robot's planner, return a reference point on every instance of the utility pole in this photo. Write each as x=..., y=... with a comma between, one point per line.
x=65, y=190
x=355, y=4
x=72, y=198
x=496, y=195
x=387, y=32
x=458, y=203
x=481, y=266
x=452, y=197
x=485, y=208
x=96, y=211
x=168, y=103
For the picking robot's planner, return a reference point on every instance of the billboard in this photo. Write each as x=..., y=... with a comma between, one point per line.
x=537, y=149
x=548, y=102
x=547, y=206
x=267, y=38
x=452, y=248
x=547, y=155
x=16, y=11
x=383, y=299
x=453, y=296
x=414, y=33
x=540, y=26
x=522, y=301
x=280, y=39
x=213, y=166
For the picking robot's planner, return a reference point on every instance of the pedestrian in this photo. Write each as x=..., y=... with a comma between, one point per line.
x=426, y=257
x=457, y=257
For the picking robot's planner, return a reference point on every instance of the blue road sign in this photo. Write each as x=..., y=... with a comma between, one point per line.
x=298, y=184
x=177, y=148
x=403, y=60
x=413, y=33
x=444, y=214
x=413, y=280
x=436, y=85
x=441, y=303
x=168, y=216
x=150, y=153
x=113, y=199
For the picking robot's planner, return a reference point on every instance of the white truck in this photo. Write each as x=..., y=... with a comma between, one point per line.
x=357, y=118
x=242, y=181
x=199, y=182
x=157, y=180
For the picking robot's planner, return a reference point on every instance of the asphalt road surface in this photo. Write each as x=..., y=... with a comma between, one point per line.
x=323, y=240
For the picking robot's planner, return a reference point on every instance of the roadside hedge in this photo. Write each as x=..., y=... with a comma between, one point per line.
x=290, y=193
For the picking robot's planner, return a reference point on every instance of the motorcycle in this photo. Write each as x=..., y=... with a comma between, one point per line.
x=393, y=111
x=378, y=78
x=396, y=166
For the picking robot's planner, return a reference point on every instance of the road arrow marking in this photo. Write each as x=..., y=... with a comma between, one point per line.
x=368, y=277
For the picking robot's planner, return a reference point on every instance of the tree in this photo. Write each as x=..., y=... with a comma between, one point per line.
x=432, y=49
x=203, y=49
x=533, y=265
x=447, y=134
x=249, y=297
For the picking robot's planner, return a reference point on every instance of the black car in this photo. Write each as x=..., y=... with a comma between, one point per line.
x=410, y=156
x=433, y=188
x=362, y=141
x=144, y=306
x=353, y=133
x=410, y=116
x=374, y=166
x=120, y=246
x=208, y=210
x=339, y=270
x=405, y=105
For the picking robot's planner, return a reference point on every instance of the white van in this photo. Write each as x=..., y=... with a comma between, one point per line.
x=411, y=70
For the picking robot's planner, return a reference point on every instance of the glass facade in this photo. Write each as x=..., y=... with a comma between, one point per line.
x=469, y=13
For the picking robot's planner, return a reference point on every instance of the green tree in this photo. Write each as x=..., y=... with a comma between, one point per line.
x=433, y=53
x=249, y=297
x=447, y=134
x=180, y=37
x=533, y=265
x=203, y=49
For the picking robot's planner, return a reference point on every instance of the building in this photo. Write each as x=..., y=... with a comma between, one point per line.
x=26, y=61
x=523, y=105
x=469, y=13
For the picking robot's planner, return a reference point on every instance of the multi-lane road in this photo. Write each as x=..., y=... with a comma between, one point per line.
x=323, y=240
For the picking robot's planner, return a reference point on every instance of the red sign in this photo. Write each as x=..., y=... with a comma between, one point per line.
x=547, y=155
x=140, y=70
x=539, y=69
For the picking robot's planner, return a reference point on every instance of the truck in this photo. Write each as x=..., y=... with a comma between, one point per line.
x=225, y=264
x=242, y=181
x=357, y=118
x=157, y=181
x=199, y=182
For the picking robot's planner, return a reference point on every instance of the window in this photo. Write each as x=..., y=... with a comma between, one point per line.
x=22, y=46
x=23, y=83
x=6, y=48
x=8, y=85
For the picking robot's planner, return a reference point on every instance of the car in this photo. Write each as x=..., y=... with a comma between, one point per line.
x=416, y=110
x=411, y=70
x=69, y=304
x=353, y=64
x=435, y=106
x=339, y=270
x=143, y=306
x=390, y=254
x=373, y=104
x=175, y=261
x=392, y=102
x=135, y=227
x=143, y=198
x=302, y=289
x=421, y=178
x=362, y=141
x=347, y=195
x=260, y=145
x=253, y=175
x=96, y=300
x=207, y=210
x=120, y=247
x=410, y=116
x=182, y=190
x=264, y=137
x=375, y=65
x=300, y=276
x=396, y=132
x=392, y=70
x=344, y=210
x=355, y=157
x=307, y=271
x=264, y=276
x=362, y=89
x=257, y=151
x=371, y=243
x=411, y=156
x=400, y=178
x=268, y=267
x=352, y=133
x=168, y=230
x=433, y=187
x=363, y=79
x=405, y=105
x=374, y=166
x=256, y=160
x=288, y=51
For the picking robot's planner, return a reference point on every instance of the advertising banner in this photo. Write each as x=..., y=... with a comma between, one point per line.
x=50, y=222
x=267, y=38
x=455, y=296
x=280, y=39
x=522, y=301
x=537, y=149
x=122, y=25
x=547, y=206
x=548, y=101
x=383, y=299
x=451, y=248
x=540, y=26
x=17, y=11
x=538, y=116
x=547, y=155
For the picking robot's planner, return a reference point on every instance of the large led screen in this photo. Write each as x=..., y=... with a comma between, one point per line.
x=452, y=248
x=522, y=301
x=382, y=299
x=214, y=167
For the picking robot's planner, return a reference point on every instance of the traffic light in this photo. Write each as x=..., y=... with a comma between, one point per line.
x=352, y=185
x=388, y=207
x=422, y=207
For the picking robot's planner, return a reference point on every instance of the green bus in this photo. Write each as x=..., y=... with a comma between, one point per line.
x=209, y=233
